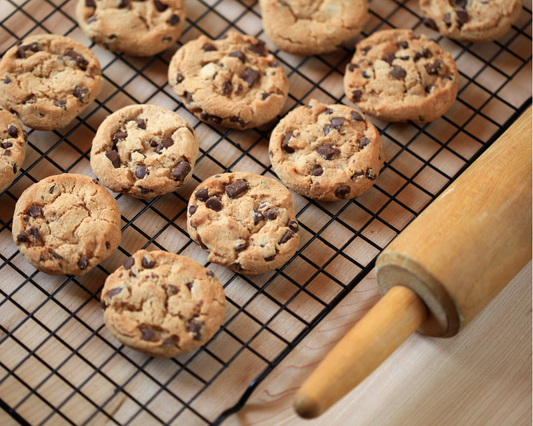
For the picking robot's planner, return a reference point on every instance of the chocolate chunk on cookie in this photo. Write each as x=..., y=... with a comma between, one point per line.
x=245, y=222
x=234, y=83
x=66, y=224
x=144, y=151
x=327, y=166
x=12, y=148
x=396, y=75
x=473, y=20
x=48, y=80
x=138, y=28
x=163, y=304
x=310, y=27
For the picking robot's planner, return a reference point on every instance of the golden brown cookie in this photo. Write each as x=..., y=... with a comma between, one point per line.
x=163, y=304
x=66, y=224
x=245, y=222
x=12, y=148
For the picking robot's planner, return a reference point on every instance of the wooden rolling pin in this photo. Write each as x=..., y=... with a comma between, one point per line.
x=442, y=270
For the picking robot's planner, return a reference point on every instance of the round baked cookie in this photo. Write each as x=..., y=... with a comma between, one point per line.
x=396, y=75
x=326, y=152
x=234, y=82
x=245, y=222
x=163, y=304
x=135, y=27
x=310, y=27
x=144, y=151
x=471, y=20
x=12, y=148
x=47, y=80
x=66, y=224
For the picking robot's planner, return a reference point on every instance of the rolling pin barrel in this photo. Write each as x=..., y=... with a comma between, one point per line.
x=450, y=262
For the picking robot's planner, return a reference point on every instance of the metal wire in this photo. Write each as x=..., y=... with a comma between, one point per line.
x=402, y=147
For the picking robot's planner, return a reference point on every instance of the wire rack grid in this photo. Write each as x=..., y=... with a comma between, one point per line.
x=58, y=363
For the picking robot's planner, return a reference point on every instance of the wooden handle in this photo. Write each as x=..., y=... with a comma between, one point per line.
x=372, y=340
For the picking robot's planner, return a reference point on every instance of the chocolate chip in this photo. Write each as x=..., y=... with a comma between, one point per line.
x=7, y=153
x=352, y=67
x=208, y=117
x=148, y=334
x=293, y=225
x=210, y=273
x=241, y=246
x=389, y=58
x=165, y=143
x=79, y=59
x=447, y=19
x=12, y=131
x=119, y=135
x=174, y=20
x=55, y=255
x=342, y=192
x=462, y=17
x=398, y=73
x=460, y=3
x=258, y=48
x=237, y=188
x=357, y=117
x=60, y=103
x=317, y=171
x=426, y=52
x=428, y=88
x=179, y=78
x=153, y=144
x=403, y=45
x=181, y=171
x=239, y=55
x=195, y=327
x=328, y=128
x=214, y=203
x=209, y=47
x=365, y=74
x=238, y=121
x=274, y=64
x=204, y=247
x=123, y=4
x=147, y=263
x=285, y=143
x=433, y=69
x=141, y=172
x=430, y=23
x=171, y=341
x=22, y=238
x=83, y=263
x=226, y=88
x=370, y=174
x=34, y=211
x=80, y=92
x=192, y=210
x=107, y=245
x=364, y=142
x=271, y=214
x=327, y=152
x=188, y=97
x=34, y=232
x=22, y=49
x=250, y=76
x=6, y=145
x=90, y=3
x=270, y=259
x=7, y=80
x=190, y=286
x=357, y=95
x=288, y=235
x=265, y=96
x=202, y=194
x=113, y=157
x=160, y=6
x=130, y=261
x=337, y=121
x=141, y=124
x=239, y=89
x=258, y=217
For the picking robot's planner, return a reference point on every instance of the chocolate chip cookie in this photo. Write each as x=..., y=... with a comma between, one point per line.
x=144, y=151
x=310, y=27
x=12, y=148
x=326, y=152
x=245, y=222
x=163, y=304
x=471, y=20
x=66, y=224
x=48, y=79
x=138, y=28
x=396, y=75
x=233, y=82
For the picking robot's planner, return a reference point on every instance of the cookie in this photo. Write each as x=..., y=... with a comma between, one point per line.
x=138, y=28
x=471, y=20
x=47, y=80
x=310, y=27
x=66, y=224
x=396, y=75
x=234, y=82
x=12, y=148
x=144, y=151
x=245, y=222
x=162, y=304
x=326, y=152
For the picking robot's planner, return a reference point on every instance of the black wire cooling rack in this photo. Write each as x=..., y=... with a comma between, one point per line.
x=58, y=363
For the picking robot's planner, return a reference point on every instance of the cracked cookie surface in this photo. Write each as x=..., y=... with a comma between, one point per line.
x=138, y=28
x=144, y=151
x=233, y=82
x=310, y=27
x=245, y=222
x=12, y=148
x=471, y=20
x=47, y=80
x=66, y=224
x=326, y=152
x=162, y=304
x=396, y=75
